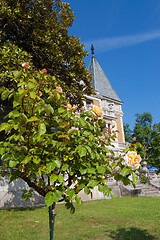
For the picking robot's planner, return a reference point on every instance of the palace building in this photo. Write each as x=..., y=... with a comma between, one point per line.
x=107, y=99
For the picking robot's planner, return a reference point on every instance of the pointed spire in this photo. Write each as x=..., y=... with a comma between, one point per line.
x=100, y=82
x=92, y=50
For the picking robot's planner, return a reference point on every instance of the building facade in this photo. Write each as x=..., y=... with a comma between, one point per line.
x=107, y=99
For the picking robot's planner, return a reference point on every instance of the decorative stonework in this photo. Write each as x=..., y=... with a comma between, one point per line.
x=106, y=98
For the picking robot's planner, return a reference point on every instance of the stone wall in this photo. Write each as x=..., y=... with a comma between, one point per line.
x=10, y=194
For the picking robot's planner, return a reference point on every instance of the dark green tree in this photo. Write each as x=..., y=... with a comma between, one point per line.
x=40, y=27
x=154, y=149
x=145, y=132
x=128, y=133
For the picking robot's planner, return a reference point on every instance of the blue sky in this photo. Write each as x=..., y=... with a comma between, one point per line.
x=126, y=38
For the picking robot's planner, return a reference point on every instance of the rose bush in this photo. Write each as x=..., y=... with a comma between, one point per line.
x=49, y=138
x=57, y=149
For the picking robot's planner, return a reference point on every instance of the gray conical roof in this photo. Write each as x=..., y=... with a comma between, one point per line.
x=100, y=82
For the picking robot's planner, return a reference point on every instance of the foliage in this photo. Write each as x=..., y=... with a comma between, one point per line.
x=143, y=178
x=144, y=132
x=145, y=138
x=55, y=149
x=11, y=59
x=143, y=128
x=40, y=27
x=154, y=149
x=127, y=133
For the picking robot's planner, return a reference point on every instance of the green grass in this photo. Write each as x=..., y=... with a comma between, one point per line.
x=125, y=218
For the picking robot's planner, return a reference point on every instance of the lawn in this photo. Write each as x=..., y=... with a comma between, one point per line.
x=124, y=218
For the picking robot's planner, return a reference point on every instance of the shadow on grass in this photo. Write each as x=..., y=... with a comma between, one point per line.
x=131, y=234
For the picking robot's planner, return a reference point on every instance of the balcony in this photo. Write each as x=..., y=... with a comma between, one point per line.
x=107, y=113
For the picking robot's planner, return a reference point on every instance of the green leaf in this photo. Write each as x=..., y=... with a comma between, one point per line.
x=78, y=200
x=81, y=186
x=101, y=169
x=41, y=129
x=61, y=110
x=3, y=126
x=87, y=190
x=134, y=177
x=81, y=150
x=53, y=178
x=126, y=181
x=82, y=122
x=72, y=211
x=33, y=95
x=14, y=114
x=21, y=90
x=92, y=183
x=93, y=155
x=100, y=188
x=50, y=108
x=2, y=150
x=57, y=195
x=13, y=163
x=61, y=178
x=50, y=166
x=109, y=169
x=52, y=197
x=33, y=119
x=13, y=175
x=16, y=74
x=65, y=167
x=27, y=194
x=88, y=148
x=125, y=171
x=36, y=159
x=5, y=94
x=91, y=170
x=83, y=170
x=6, y=156
x=15, y=104
x=57, y=163
x=72, y=194
x=49, y=199
x=106, y=190
x=27, y=159
x=91, y=136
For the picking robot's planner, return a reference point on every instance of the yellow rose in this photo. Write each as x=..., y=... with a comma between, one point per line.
x=132, y=160
x=98, y=111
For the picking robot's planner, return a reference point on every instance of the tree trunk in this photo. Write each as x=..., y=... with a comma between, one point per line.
x=51, y=219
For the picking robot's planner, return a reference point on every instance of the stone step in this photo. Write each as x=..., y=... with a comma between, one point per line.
x=151, y=191
x=148, y=187
x=144, y=190
x=150, y=195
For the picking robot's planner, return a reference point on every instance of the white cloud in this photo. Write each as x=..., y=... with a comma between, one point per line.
x=106, y=44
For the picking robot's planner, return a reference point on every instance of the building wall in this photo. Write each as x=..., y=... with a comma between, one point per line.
x=120, y=129
x=112, y=114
